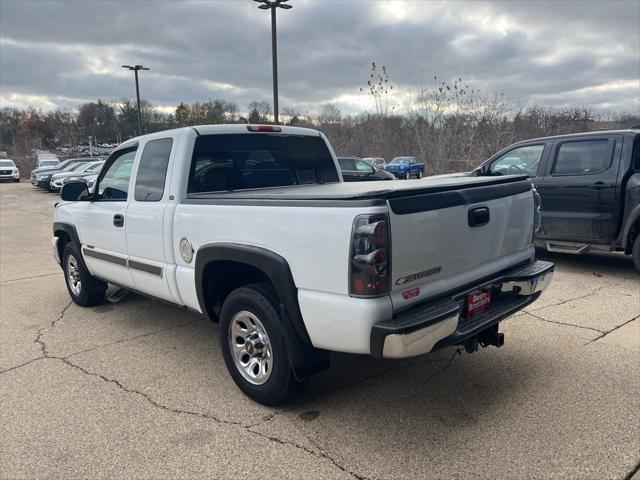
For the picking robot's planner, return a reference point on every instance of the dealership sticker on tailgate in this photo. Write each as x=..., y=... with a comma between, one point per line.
x=478, y=302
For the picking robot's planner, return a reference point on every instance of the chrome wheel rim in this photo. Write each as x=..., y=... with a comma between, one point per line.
x=73, y=275
x=250, y=347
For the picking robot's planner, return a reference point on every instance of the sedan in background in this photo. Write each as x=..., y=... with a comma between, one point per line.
x=41, y=177
x=57, y=180
x=89, y=177
x=355, y=169
x=9, y=171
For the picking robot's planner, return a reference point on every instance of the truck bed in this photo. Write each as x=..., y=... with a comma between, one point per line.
x=359, y=190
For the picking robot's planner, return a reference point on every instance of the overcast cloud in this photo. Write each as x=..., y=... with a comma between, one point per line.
x=63, y=53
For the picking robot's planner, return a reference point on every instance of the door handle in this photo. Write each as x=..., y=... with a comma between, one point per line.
x=118, y=220
x=599, y=185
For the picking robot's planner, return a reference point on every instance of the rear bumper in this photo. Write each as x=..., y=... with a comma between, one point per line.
x=436, y=324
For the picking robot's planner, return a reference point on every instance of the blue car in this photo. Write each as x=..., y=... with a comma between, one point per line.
x=405, y=167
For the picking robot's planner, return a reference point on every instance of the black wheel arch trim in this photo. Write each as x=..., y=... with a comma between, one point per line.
x=305, y=360
x=72, y=233
x=632, y=219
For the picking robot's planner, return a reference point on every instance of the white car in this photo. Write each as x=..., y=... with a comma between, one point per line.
x=8, y=170
x=58, y=179
x=252, y=226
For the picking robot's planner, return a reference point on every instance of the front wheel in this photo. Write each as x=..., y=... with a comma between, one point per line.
x=406, y=175
x=84, y=289
x=419, y=173
x=635, y=253
x=254, y=347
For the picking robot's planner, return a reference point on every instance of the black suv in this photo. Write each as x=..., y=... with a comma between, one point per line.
x=590, y=188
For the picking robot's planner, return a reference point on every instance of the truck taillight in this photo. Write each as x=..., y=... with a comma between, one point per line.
x=369, y=262
x=537, y=214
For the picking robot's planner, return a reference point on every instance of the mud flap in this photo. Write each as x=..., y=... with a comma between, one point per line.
x=305, y=360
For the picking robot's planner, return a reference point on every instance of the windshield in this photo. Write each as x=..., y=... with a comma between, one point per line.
x=7, y=163
x=49, y=163
x=70, y=167
x=95, y=167
x=75, y=167
x=400, y=160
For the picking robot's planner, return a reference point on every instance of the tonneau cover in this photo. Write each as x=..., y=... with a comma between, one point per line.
x=361, y=190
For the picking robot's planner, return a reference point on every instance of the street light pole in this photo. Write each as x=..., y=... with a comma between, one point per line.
x=274, y=62
x=273, y=5
x=135, y=69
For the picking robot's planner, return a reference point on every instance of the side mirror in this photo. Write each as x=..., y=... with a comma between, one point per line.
x=74, y=191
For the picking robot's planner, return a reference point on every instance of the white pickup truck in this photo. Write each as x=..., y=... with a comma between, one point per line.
x=252, y=226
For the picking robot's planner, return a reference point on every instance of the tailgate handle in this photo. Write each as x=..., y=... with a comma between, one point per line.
x=478, y=216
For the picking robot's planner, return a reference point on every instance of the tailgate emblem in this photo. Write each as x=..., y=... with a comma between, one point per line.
x=417, y=276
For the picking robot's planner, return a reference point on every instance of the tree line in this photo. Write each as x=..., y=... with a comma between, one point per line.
x=448, y=125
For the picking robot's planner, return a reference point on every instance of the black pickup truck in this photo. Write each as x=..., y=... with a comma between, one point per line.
x=590, y=188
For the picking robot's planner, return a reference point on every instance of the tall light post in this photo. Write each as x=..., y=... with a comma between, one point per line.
x=135, y=69
x=273, y=5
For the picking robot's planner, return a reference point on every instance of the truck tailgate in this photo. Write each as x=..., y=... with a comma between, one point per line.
x=447, y=238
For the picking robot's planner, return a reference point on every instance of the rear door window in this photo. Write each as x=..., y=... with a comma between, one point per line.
x=585, y=157
x=248, y=161
x=152, y=171
x=346, y=164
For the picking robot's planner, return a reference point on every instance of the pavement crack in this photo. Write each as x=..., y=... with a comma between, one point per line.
x=179, y=411
x=604, y=334
x=123, y=340
x=319, y=453
x=146, y=396
x=562, y=323
x=39, y=339
x=28, y=278
x=573, y=299
x=24, y=364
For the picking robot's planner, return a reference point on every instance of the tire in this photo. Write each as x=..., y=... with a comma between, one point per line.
x=84, y=289
x=635, y=253
x=407, y=176
x=419, y=174
x=254, y=347
x=17, y=180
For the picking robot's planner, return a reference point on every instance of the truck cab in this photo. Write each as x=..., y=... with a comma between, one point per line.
x=590, y=188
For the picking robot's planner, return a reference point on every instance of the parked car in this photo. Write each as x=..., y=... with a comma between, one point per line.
x=252, y=226
x=8, y=170
x=88, y=177
x=590, y=188
x=57, y=179
x=377, y=162
x=405, y=167
x=45, y=163
x=41, y=177
x=355, y=169
x=46, y=159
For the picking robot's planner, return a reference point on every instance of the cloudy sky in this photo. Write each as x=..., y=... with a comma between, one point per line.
x=63, y=53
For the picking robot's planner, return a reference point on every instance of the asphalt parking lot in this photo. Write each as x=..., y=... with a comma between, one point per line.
x=139, y=389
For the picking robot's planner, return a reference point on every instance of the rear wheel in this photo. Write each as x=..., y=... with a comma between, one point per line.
x=419, y=173
x=635, y=253
x=84, y=289
x=254, y=347
x=407, y=176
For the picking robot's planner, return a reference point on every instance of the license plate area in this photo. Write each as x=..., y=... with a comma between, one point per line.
x=477, y=302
